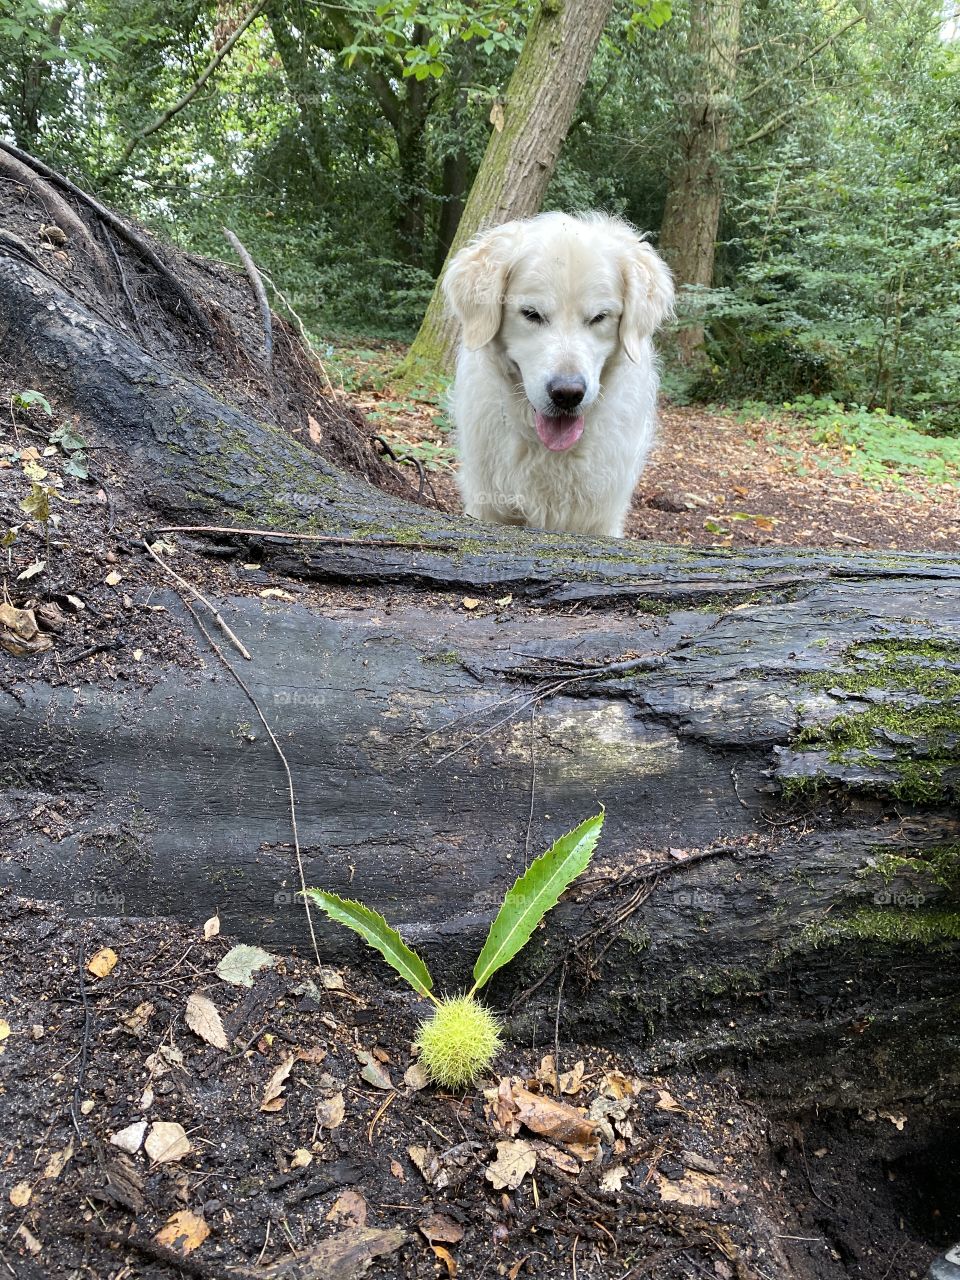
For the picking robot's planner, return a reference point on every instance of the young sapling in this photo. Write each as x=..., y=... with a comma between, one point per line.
x=461, y=1037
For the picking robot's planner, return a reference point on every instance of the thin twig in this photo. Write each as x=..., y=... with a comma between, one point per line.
x=85, y=1044
x=186, y=99
x=259, y=292
x=126, y=292
x=203, y=600
x=533, y=783
x=291, y=794
x=304, y=336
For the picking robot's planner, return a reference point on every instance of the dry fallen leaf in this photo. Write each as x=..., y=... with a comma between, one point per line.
x=447, y=1258
x=301, y=1158
x=555, y=1120
x=415, y=1077
x=204, y=1020
x=470, y=603
x=113, y=578
x=515, y=1159
x=396, y=1168
x=277, y=593
x=330, y=1111
x=167, y=1142
x=183, y=1232
x=666, y=1102
x=30, y=1241
x=272, y=1099
x=102, y=962
x=695, y=1190
x=344, y=1256
x=19, y=633
x=613, y=1178
x=131, y=1138
x=439, y=1226
x=349, y=1209
x=562, y=1160
x=20, y=1195
x=58, y=1161
x=211, y=928
x=372, y=1071
x=138, y=1021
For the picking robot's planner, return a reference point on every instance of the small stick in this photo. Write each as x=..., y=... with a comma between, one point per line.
x=304, y=336
x=291, y=794
x=126, y=292
x=259, y=292
x=202, y=598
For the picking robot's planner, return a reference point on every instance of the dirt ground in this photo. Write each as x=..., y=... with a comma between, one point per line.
x=142, y=1138
x=304, y=1143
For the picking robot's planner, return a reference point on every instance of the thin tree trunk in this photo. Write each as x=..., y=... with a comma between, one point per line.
x=688, y=236
x=540, y=101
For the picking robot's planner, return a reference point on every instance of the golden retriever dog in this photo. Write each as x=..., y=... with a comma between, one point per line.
x=556, y=387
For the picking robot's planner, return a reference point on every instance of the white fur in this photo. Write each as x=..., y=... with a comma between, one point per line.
x=569, y=270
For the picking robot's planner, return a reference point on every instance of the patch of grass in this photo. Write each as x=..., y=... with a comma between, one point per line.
x=876, y=446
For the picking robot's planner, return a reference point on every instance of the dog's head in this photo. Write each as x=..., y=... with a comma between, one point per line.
x=562, y=296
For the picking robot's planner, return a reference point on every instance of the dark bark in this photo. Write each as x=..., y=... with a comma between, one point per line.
x=817, y=928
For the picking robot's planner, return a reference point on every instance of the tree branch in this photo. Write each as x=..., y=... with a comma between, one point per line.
x=187, y=98
x=817, y=48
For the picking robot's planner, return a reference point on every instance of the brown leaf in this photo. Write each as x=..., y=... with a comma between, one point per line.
x=102, y=962
x=415, y=1077
x=349, y=1209
x=396, y=1168
x=557, y=1121
x=344, y=1256
x=167, y=1142
x=58, y=1161
x=372, y=1071
x=20, y=1195
x=515, y=1159
x=272, y=1099
x=138, y=1021
x=183, y=1232
x=562, y=1160
x=204, y=1020
x=438, y=1226
x=211, y=928
x=330, y=1111
x=447, y=1258
x=314, y=430
x=19, y=633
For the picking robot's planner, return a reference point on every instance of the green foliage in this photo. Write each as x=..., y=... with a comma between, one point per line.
x=533, y=895
x=374, y=930
x=25, y=399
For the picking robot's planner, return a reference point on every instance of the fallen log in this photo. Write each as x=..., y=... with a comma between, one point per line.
x=774, y=735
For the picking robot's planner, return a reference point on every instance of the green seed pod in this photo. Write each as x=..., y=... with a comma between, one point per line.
x=458, y=1041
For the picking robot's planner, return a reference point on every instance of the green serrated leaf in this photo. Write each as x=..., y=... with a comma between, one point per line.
x=533, y=895
x=374, y=930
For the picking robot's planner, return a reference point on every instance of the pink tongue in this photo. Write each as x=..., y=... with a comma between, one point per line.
x=561, y=432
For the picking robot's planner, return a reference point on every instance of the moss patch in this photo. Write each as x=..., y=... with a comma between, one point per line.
x=939, y=929
x=911, y=728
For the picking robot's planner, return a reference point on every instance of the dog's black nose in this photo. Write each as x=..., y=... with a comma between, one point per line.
x=567, y=391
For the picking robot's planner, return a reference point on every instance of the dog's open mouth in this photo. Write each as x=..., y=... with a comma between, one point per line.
x=559, y=432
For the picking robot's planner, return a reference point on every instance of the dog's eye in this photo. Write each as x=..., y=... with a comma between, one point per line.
x=599, y=319
x=532, y=315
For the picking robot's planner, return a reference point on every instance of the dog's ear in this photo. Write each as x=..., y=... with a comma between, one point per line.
x=647, y=295
x=475, y=283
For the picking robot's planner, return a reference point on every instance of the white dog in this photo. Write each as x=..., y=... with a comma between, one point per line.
x=556, y=387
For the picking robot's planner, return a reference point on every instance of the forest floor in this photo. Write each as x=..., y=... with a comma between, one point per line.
x=716, y=477
x=174, y=1107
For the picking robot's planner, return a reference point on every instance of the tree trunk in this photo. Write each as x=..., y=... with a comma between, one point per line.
x=774, y=736
x=538, y=107
x=691, y=219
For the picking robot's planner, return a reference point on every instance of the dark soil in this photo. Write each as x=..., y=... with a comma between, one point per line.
x=704, y=1188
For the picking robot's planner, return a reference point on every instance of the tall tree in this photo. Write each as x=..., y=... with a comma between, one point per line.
x=529, y=128
x=691, y=216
